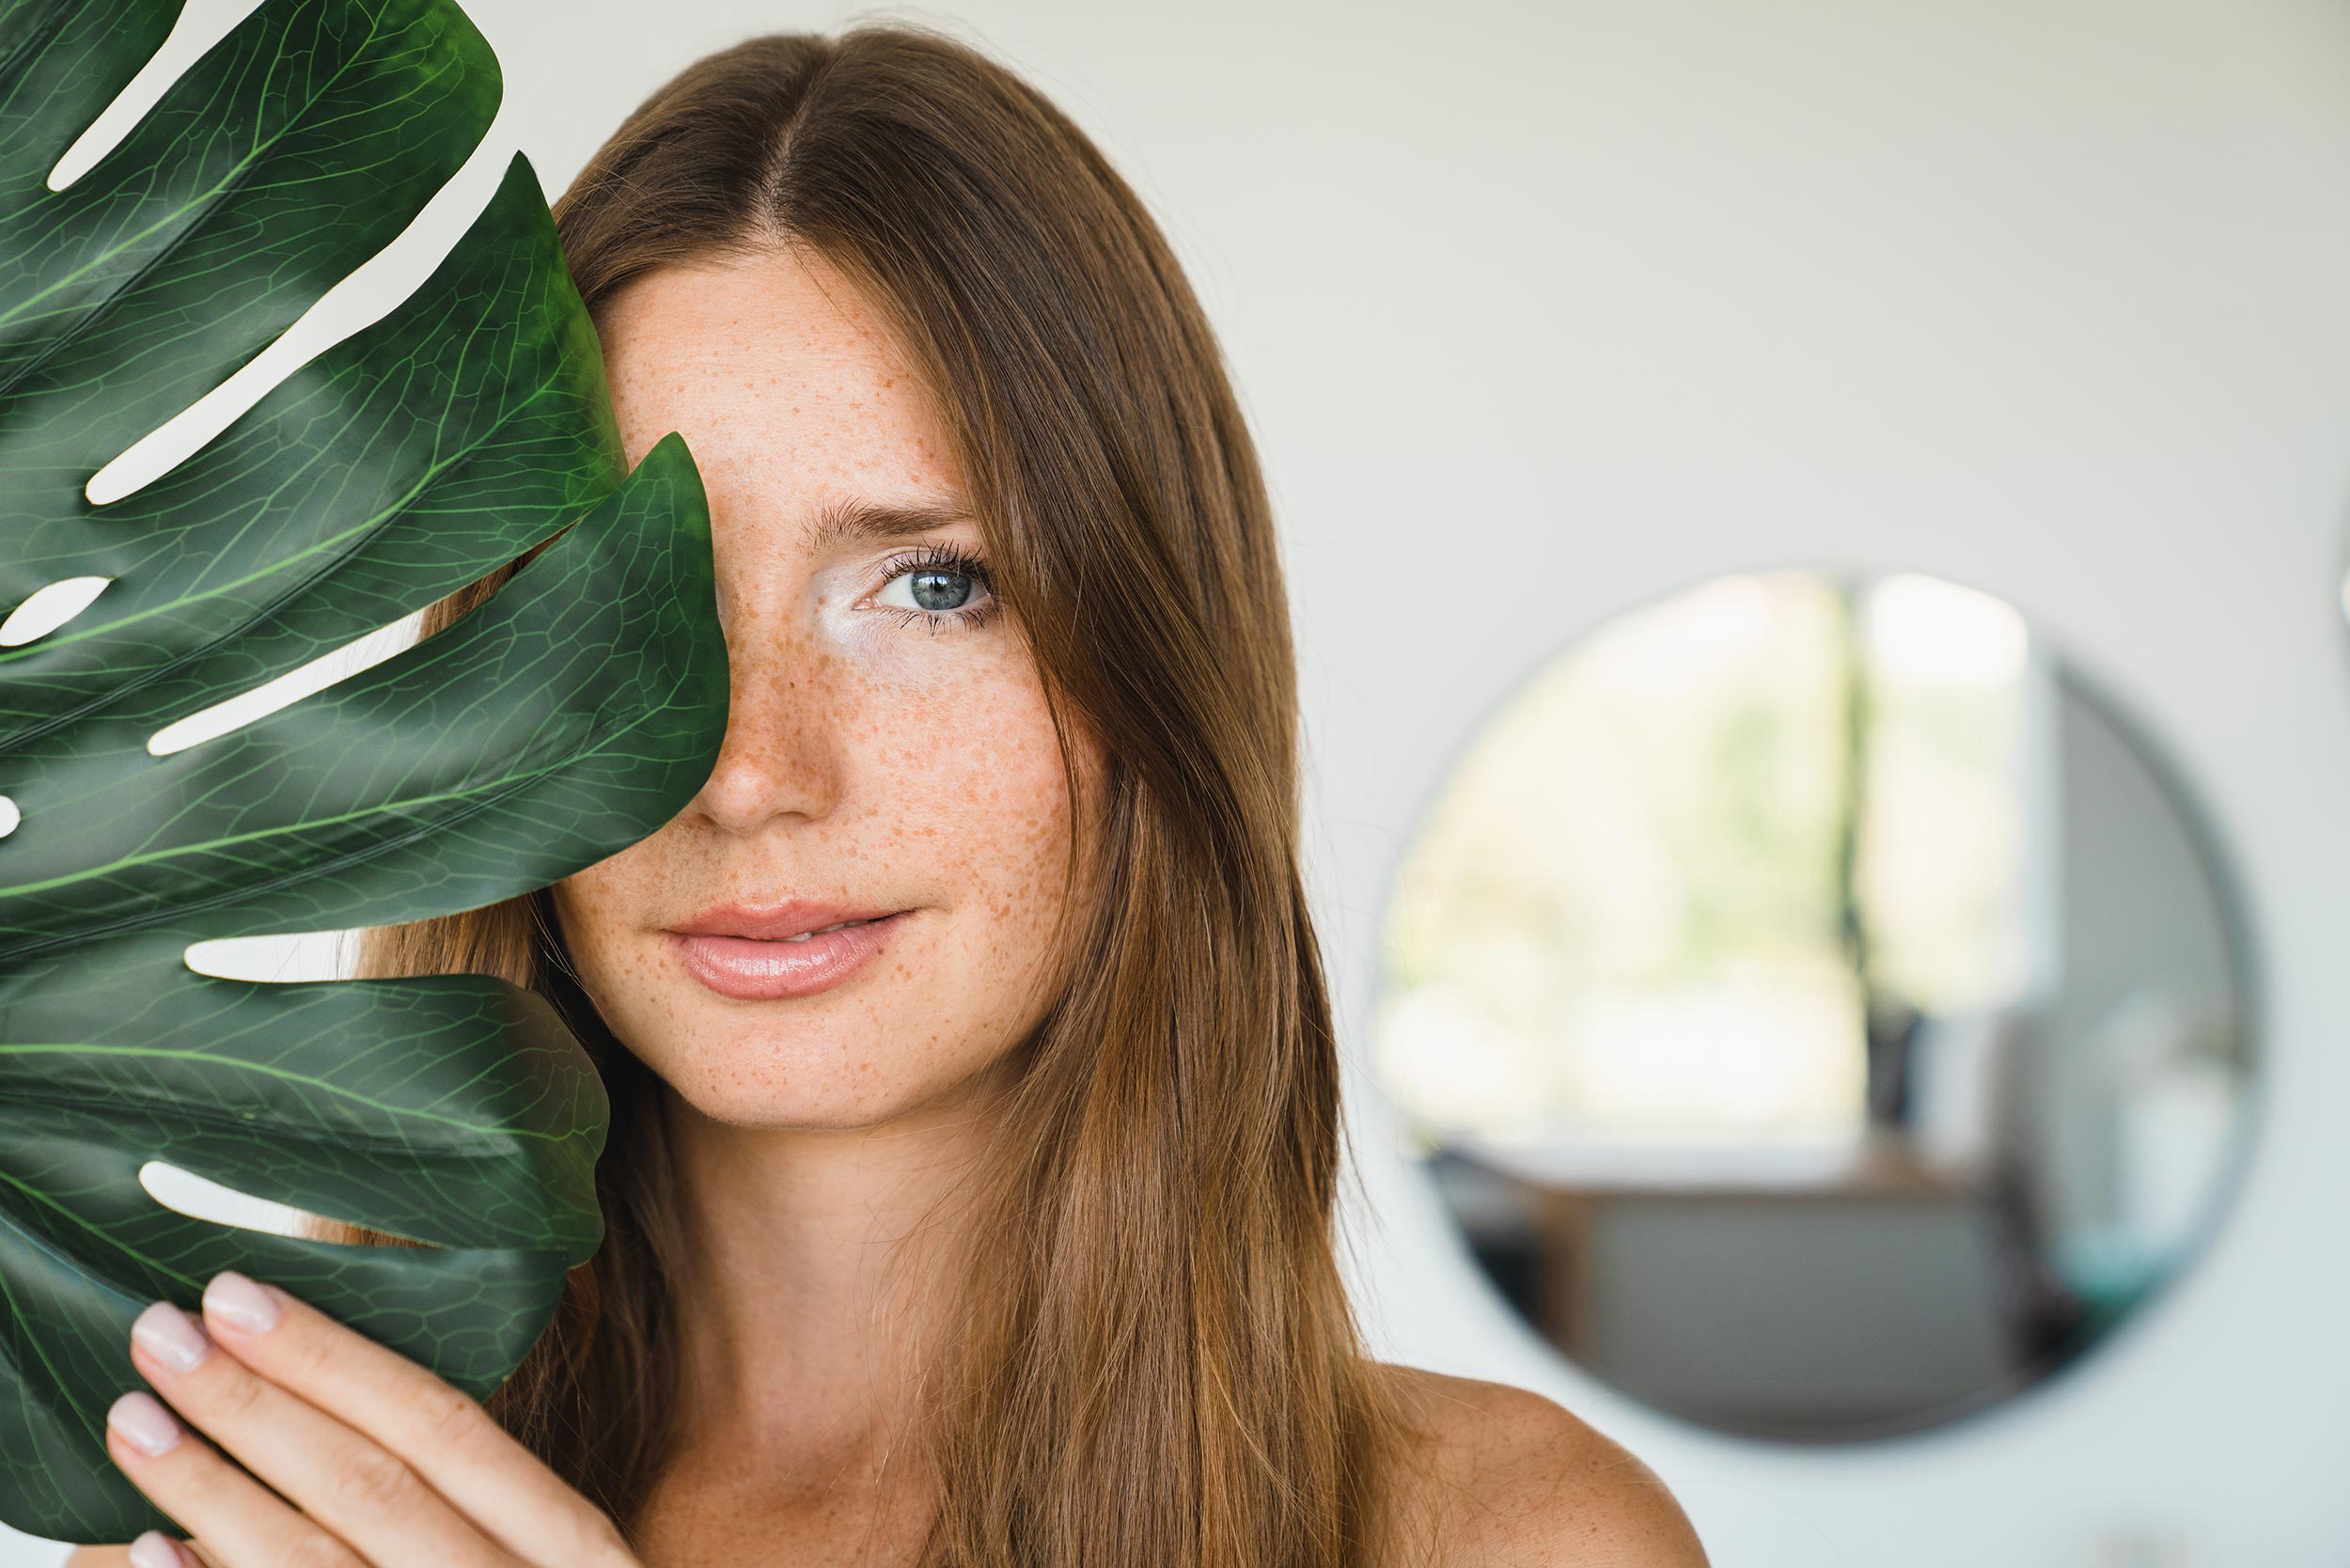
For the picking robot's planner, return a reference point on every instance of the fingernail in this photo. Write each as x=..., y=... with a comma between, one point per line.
x=142, y=1422
x=240, y=1302
x=154, y=1549
x=171, y=1336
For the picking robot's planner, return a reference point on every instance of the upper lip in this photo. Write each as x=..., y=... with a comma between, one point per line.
x=773, y=920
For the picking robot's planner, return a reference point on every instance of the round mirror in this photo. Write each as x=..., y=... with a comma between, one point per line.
x=1821, y=1015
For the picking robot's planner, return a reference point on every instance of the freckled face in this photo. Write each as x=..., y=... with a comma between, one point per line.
x=887, y=744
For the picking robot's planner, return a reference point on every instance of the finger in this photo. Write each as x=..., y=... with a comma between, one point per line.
x=244, y=1524
x=361, y=1495
x=154, y=1549
x=437, y=1430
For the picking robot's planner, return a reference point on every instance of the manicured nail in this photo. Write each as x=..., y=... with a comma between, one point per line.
x=240, y=1302
x=171, y=1336
x=142, y=1422
x=154, y=1549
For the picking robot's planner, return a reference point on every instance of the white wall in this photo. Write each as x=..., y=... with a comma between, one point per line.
x=1544, y=309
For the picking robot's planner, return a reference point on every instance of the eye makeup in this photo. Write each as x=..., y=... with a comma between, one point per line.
x=942, y=559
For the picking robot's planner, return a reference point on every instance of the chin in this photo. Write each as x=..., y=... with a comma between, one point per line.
x=769, y=1077
x=774, y=1113
x=762, y=1099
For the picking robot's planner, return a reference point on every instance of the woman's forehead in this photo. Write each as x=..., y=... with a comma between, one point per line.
x=780, y=305
x=773, y=383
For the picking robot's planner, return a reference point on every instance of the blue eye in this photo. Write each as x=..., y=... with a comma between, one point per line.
x=946, y=586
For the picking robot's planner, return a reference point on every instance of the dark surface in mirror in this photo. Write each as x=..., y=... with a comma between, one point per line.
x=1820, y=1015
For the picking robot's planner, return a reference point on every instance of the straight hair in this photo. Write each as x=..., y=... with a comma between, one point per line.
x=1158, y=1366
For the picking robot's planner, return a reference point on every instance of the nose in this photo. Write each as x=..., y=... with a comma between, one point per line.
x=781, y=754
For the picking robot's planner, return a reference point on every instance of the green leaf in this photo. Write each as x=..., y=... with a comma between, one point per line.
x=566, y=719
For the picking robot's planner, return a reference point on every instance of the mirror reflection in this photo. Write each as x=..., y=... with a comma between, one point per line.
x=1818, y=1011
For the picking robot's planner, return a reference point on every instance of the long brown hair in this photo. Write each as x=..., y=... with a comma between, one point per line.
x=1159, y=1366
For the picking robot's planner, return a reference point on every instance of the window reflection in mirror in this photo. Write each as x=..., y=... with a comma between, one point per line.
x=1821, y=1015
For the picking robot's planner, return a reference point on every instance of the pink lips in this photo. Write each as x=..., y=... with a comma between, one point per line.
x=752, y=968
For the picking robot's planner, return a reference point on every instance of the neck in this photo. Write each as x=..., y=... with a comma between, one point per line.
x=822, y=1263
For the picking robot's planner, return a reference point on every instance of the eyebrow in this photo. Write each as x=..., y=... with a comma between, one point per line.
x=857, y=520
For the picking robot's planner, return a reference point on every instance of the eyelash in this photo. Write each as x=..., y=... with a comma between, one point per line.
x=949, y=557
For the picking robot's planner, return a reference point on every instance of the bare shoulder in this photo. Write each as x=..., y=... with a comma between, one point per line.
x=98, y=1557
x=1502, y=1476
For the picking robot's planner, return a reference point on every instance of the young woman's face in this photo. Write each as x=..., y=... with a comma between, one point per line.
x=888, y=746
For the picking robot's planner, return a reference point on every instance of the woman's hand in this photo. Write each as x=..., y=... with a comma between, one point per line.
x=370, y=1459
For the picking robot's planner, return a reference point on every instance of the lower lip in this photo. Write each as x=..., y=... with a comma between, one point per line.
x=753, y=970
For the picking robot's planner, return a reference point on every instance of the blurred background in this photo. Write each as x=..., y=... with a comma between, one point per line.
x=1817, y=534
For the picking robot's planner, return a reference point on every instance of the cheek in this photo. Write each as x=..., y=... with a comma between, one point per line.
x=968, y=776
x=1018, y=849
x=594, y=912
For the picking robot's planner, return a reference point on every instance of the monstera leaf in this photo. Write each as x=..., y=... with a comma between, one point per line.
x=559, y=722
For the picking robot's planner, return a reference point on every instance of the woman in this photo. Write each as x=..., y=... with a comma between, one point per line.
x=995, y=1226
